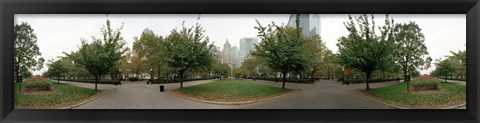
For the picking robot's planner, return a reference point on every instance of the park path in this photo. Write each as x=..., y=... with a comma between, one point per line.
x=323, y=94
x=456, y=82
x=139, y=95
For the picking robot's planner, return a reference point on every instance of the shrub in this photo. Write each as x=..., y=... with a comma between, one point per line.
x=162, y=80
x=115, y=82
x=291, y=80
x=133, y=79
x=37, y=78
x=37, y=86
x=425, y=85
x=359, y=81
x=426, y=78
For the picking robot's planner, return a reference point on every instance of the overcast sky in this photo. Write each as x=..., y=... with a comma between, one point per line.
x=57, y=33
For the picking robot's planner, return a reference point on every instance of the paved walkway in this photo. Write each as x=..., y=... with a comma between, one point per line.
x=139, y=95
x=321, y=95
x=455, y=81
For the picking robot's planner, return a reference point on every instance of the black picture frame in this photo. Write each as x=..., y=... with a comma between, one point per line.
x=10, y=7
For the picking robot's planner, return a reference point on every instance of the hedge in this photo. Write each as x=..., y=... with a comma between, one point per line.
x=114, y=82
x=163, y=81
x=458, y=79
x=359, y=81
x=290, y=80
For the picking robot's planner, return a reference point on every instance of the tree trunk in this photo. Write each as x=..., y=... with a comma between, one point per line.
x=158, y=72
x=58, y=79
x=284, y=79
x=181, y=79
x=96, y=82
x=404, y=73
x=17, y=72
x=328, y=74
x=383, y=75
x=368, y=80
x=446, y=76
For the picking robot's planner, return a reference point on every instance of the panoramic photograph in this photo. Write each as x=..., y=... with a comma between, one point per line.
x=240, y=61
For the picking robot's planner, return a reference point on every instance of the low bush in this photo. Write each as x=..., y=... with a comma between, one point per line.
x=133, y=79
x=37, y=86
x=164, y=80
x=114, y=82
x=359, y=81
x=291, y=80
x=425, y=85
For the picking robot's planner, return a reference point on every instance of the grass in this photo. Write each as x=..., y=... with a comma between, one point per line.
x=230, y=90
x=62, y=95
x=451, y=94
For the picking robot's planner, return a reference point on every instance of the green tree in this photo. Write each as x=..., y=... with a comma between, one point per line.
x=410, y=50
x=329, y=64
x=317, y=51
x=149, y=47
x=188, y=49
x=362, y=49
x=27, y=55
x=414, y=73
x=460, y=62
x=444, y=68
x=282, y=48
x=56, y=68
x=220, y=69
x=101, y=56
x=26, y=74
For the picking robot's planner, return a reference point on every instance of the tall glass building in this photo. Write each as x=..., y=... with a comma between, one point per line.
x=310, y=23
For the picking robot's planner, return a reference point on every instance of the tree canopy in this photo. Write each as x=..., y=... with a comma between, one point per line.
x=27, y=55
x=410, y=50
x=188, y=48
x=101, y=56
x=283, y=48
x=362, y=48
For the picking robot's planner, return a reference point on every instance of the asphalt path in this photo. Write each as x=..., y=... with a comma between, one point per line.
x=323, y=94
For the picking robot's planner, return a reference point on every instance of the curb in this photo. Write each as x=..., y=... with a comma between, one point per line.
x=232, y=103
x=400, y=107
x=101, y=94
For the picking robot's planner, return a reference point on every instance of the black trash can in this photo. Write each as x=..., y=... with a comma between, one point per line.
x=161, y=88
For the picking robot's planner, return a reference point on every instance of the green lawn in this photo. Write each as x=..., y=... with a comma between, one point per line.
x=230, y=90
x=451, y=94
x=63, y=95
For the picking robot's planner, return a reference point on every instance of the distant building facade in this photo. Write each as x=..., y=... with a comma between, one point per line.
x=247, y=45
x=310, y=23
x=229, y=54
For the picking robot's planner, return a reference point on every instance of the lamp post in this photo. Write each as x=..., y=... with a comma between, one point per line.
x=343, y=75
x=408, y=82
x=121, y=76
x=312, y=74
x=151, y=76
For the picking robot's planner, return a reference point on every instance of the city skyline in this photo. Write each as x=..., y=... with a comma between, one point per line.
x=59, y=33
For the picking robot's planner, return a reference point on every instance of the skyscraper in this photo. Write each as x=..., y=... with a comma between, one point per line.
x=236, y=58
x=246, y=46
x=227, y=54
x=230, y=55
x=310, y=23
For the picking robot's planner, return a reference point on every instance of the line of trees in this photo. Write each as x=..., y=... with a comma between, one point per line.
x=184, y=52
x=453, y=66
x=398, y=45
x=397, y=49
